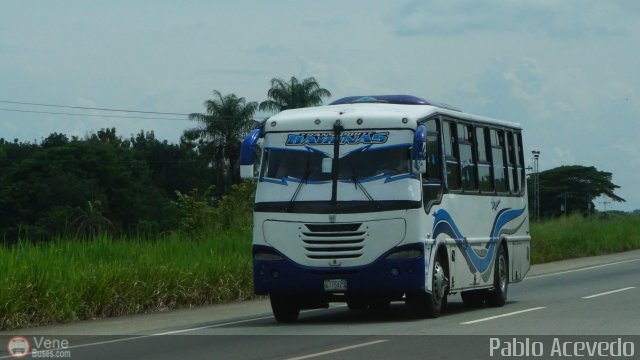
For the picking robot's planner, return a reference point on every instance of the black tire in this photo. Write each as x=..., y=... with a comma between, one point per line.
x=473, y=298
x=431, y=305
x=498, y=295
x=285, y=308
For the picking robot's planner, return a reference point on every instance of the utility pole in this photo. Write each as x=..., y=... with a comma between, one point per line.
x=536, y=184
x=605, y=203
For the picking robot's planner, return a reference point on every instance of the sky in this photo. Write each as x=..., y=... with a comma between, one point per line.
x=568, y=71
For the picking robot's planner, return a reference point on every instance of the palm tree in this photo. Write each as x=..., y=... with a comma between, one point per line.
x=221, y=130
x=91, y=222
x=293, y=94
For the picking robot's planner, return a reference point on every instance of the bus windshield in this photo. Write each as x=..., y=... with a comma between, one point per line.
x=282, y=163
x=360, y=165
x=368, y=164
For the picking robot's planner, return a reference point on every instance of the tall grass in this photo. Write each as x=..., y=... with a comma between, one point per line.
x=576, y=236
x=66, y=280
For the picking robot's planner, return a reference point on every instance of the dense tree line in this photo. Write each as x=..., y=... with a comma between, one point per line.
x=137, y=185
x=103, y=182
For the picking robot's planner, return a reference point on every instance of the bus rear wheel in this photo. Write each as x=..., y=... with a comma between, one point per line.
x=285, y=308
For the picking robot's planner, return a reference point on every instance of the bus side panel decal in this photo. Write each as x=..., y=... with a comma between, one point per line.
x=444, y=224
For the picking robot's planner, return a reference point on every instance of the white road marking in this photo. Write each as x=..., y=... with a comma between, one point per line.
x=582, y=269
x=337, y=350
x=608, y=292
x=502, y=315
x=212, y=326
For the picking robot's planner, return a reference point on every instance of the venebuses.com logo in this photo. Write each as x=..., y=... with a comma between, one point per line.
x=38, y=347
x=19, y=346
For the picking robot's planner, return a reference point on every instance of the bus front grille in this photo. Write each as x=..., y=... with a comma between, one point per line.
x=333, y=241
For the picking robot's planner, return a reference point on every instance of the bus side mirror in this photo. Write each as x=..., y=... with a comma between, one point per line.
x=247, y=153
x=419, y=151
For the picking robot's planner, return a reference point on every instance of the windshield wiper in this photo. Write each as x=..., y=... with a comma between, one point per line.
x=304, y=180
x=359, y=185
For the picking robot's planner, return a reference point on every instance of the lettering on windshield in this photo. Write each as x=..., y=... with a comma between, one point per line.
x=346, y=138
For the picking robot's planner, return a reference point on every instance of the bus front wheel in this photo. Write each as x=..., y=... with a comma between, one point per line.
x=430, y=305
x=498, y=296
x=285, y=308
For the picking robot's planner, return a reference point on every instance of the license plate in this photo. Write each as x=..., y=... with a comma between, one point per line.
x=335, y=285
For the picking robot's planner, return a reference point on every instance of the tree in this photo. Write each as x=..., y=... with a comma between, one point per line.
x=174, y=167
x=226, y=122
x=91, y=222
x=576, y=186
x=293, y=94
x=54, y=139
x=74, y=187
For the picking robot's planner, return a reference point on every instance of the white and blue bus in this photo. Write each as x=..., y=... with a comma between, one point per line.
x=374, y=199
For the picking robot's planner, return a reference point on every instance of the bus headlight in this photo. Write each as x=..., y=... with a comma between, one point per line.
x=404, y=254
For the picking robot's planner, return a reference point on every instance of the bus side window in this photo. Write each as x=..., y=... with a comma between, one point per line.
x=451, y=155
x=484, y=163
x=520, y=157
x=467, y=157
x=514, y=185
x=432, y=178
x=497, y=156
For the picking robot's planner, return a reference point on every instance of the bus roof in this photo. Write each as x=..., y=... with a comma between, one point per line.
x=375, y=112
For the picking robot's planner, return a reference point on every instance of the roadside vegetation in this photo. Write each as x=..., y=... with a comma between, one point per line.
x=207, y=261
x=579, y=236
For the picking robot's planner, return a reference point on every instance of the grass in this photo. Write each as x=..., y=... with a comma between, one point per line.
x=69, y=279
x=576, y=236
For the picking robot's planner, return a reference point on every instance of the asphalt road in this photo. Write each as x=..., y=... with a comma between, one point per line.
x=591, y=299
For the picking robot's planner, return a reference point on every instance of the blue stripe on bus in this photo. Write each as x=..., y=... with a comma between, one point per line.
x=444, y=224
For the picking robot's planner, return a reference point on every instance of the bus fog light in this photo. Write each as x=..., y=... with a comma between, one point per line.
x=266, y=256
x=394, y=272
x=404, y=254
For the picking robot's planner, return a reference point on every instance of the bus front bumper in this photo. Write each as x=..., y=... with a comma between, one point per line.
x=381, y=277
